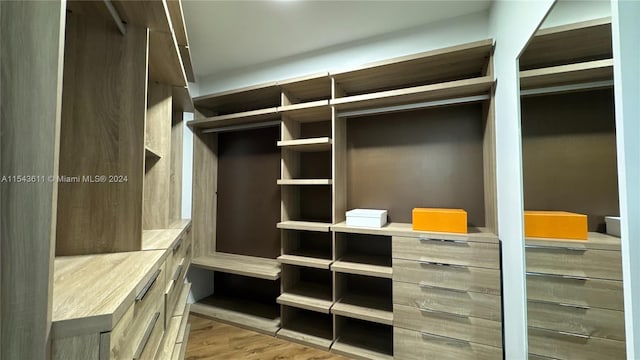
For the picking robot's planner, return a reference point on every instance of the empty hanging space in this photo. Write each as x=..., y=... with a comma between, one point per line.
x=243, y=301
x=306, y=248
x=306, y=288
x=363, y=339
x=363, y=254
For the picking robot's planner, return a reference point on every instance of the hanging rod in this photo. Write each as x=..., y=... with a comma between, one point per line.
x=116, y=17
x=567, y=88
x=242, y=127
x=422, y=105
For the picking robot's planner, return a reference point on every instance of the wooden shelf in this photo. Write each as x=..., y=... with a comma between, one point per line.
x=150, y=153
x=181, y=99
x=308, y=333
x=368, y=265
x=592, y=71
x=306, y=261
x=364, y=307
x=595, y=241
x=440, y=65
x=147, y=14
x=424, y=93
x=251, y=266
x=304, y=181
x=248, y=117
x=257, y=97
x=307, y=112
x=165, y=63
x=160, y=239
x=307, y=88
x=304, y=225
x=355, y=340
x=185, y=54
x=404, y=229
x=578, y=42
x=313, y=144
x=242, y=312
x=309, y=296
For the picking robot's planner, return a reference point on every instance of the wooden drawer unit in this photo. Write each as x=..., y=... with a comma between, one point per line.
x=449, y=325
x=577, y=319
x=415, y=345
x=605, y=294
x=447, y=300
x=173, y=289
x=486, y=281
x=574, y=261
x=125, y=338
x=559, y=345
x=454, y=252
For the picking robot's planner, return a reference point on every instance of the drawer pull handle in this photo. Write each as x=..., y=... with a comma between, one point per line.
x=448, y=241
x=575, y=306
x=148, y=286
x=177, y=245
x=566, y=333
x=423, y=285
x=176, y=275
x=445, y=338
x=541, y=247
x=425, y=262
x=423, y=308
x=146, y=336
x=570, y=277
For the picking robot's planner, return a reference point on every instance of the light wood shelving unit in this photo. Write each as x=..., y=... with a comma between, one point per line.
x=330, y=125
x=567, y=109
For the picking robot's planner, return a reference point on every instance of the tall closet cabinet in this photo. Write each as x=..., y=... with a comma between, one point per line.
x=277, y=165
x=119, y=248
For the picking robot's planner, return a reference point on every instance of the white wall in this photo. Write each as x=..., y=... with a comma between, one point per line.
x=512, y=23
x=626, y=67
x=572, y=11
x=440, y=34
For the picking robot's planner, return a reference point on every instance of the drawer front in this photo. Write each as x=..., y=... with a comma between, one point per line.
x=148, y=346
x=564, y=346
x=448, y=300
x=470, y=329
x=458, y=252
x=479, y=280
x=414, y=345
x=602, y=264
x=602, y=323
x=172, y=295
x=606, y=294
x=128, y=332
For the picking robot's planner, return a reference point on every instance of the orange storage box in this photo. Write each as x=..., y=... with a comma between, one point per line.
x=440, y=220
x=555, y=225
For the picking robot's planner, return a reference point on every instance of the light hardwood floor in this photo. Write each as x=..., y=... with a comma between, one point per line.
x=210, y=339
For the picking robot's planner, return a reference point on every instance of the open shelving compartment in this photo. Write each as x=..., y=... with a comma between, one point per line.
x=306, y=248
x=364, y=340
x=363, y=297
x=306, y=327
x=306, y=288
x=363, y=254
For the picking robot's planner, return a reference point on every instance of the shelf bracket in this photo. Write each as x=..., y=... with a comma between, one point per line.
x=116, y=17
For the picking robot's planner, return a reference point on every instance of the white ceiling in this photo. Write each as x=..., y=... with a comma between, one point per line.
x=231, y=35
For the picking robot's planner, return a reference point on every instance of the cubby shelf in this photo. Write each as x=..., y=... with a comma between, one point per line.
x=404, y=229
x=364, y=307
x=309, y=297
x=304, y=225
x=314, y=262
x=584, y=72
x=364, y=265
x=304, y=181
x=355, y=340
x=313, y=144
x=307, y=88
x=251, y=266
x=249, y=314
x=307, y=112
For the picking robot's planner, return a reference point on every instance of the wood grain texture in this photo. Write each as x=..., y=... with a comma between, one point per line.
x=157, y=191
x=414, y=345
x=489, y=165
x=212, y=340
x=307, y=261
x=474, y=234
x=246, y=314
x=205, y=190
x=339, y=167
x=601, y=264
x=175, y=173
x=240, y=264
x=466, y=254
x=165, y=62
x=605, y=294
x=84, y=347
x=563, y=346
x=147, y=14
x=598, y=70
x=102, y=134
x=31, y=71
x=353, y=339
x=304, y=225
x=91, y=292
x=160, y=239
x=595, y=241
x=249, y=98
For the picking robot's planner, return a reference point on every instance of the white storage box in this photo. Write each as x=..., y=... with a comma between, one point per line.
x=613, y=225
x=372, y=218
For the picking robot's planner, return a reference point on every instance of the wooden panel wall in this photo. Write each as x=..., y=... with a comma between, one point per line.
x=157, y=172
x=423, y=158
x=175, y=180
x=102, y=133
x=568, y=154
x=31, y=68
x=205, y=193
